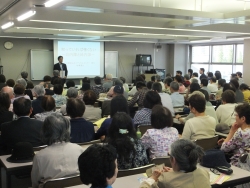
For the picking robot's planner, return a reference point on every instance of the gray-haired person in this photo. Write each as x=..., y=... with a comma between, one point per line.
x=39, y=93
x=24, y=84
x=177, y=98
x=184, y=155
x=59, y=158
x=55, y=75
x=72, y=92
x=24, y=75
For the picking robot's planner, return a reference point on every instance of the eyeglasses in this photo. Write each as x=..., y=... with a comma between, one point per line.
x=215, y=171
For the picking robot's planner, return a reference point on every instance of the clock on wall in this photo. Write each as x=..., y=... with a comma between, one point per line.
x=8, y=45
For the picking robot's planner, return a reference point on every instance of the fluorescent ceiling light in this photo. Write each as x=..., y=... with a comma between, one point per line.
x=52, y=3
x=26, y=15
x=7, y=25
x=83, y=9
x=194, y=41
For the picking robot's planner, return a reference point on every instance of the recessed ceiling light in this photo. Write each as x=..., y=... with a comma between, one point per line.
x=7, y=25
x=52, y=3
x=26, y=15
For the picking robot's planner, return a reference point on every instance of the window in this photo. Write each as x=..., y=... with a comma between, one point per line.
x=222, y=54
x=196, y=67
x=239, y=53
x=200, y=54
x=225, y=70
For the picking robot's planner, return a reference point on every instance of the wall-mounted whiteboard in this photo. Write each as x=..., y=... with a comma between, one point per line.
x=111, y=63
x=41, y=62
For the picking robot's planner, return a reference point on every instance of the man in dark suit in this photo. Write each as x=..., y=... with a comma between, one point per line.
x=60, y=66
x=23, y=129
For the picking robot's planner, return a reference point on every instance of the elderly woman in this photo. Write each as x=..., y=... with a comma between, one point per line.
x=71, y=93
x=98, y=166
x=24, y=84
x=39, y=93
x=184, y=155
x=48, y=105
x=60, y=158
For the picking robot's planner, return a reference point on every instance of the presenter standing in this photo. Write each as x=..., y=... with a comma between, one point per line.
x=60, y=66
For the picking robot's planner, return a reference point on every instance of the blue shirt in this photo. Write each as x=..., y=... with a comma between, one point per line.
x=177, y=99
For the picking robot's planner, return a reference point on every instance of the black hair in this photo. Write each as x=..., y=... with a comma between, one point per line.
x=123, y=79
x=57, y=81
x=210, y=74
x=202, y=69
x=239, y=74
x=204, y=81
x=98, y=80
x=229, y=86
x=205, y=94
x=213, y=79
x=122, y=141
x=22, y=106
x=2, y=78
x=217, y=75
x=143, y=76
x=89, y=97
x=48, y=103
x=157, y=87
x=46, y=78
x=161, y=117
x=118, y=104
x=96, y=164
x=195, y=74
x=235, y=83
x=70, y=83
x=179, y=72
x=139, y=79
x=58, y=89
x=4, y=102
x=194, y=87
x=10, y=82
x=243, y=110
x=178, y=78
x=198, y=102
x=190, y=71
x=75, y=107
x=19, y=89
x=149, y=85
x=228, y=96
x=244, y=87
x=140, y=85
x=59, y=57
x=153, y=78
x=151, y=98
x=168, y=81
x=221, y=82
x=30, y=85
x=86, y=80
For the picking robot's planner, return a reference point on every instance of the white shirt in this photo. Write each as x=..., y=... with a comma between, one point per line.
x=167, y=102
x=55, y=161
x=213, y=87
x=132, y=91
x=225, y=113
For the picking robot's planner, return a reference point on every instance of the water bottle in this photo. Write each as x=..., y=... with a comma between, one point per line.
x=138, y=133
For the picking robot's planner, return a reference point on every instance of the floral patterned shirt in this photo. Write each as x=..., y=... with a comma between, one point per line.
x=60, y=100
x=238, y=144
x=159, y=141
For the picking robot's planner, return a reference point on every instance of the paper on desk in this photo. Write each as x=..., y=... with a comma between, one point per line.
x=141, y=179
x=218, y=179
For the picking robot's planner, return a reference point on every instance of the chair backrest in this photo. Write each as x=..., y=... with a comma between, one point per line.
x=63, y=182
x=89, y=143
x=38, y=148
x=161, y=160
x=144, y=128
x=207, y=143
x=133, y=171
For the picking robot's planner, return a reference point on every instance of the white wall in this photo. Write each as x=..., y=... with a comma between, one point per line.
x=246, y=62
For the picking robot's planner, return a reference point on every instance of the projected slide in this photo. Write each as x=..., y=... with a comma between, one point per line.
x=82, y=58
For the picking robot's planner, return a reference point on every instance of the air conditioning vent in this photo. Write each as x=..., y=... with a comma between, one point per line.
x=9, y=6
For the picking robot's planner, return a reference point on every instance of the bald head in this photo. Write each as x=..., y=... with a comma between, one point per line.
x=8, y=90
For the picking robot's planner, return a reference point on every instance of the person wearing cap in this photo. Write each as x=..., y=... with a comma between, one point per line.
x=238, y=139
x=184, y=173
x=118, y=90
x=108, y=83
x=111, y=90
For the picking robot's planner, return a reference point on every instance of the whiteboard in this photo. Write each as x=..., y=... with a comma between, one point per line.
x=41, y=62
x=111, y=63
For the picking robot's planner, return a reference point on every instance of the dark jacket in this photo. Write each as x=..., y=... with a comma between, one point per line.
x=37, y=106
x=29, y=93
x=64, y=66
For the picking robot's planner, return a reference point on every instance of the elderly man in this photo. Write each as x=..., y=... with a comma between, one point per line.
x=56, y=75
x=10, y=92
x=108, y=82
x=26, y=91
x=72, y=92
x=39, y=92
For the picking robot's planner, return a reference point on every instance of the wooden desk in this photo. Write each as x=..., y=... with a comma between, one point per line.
x=8, y=169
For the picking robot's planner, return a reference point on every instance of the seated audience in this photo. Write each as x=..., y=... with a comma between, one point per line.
x=143, y=116
x=167, y=83
x=229, y=86
x=23, y=129
x=212, y=86
x=56, y=75
x=19, y=92
x=238, y=139
x=81, y=130
x=10, y=82
x=176, y=97
x=125, y=85
x=24, y=75
x=59, y=98
x=204, y=83
x=149, y=85
x=246, y=92
x=159, y=139
x=85, y=87
x=194, y=86
x=139, y=95
x=202, y=125
x=10, y=92
x=30, y=85
x=117, y=104
x=117, y=82
x=46, y=82
x=165, y=98
x=184, y=173
x=195, y=78
x=239, y=97
x=158, y=80
x=48, y=105
x=134, y=89
x=69, y=84
x=122, y=135
x=5, y=114
x=108, y=83
x=24, y=84
x=98, y=166
x=221, y=83
x=98, y=88
x=71, y=93
x=190, y=73
x=217, y=75
x=178, y=79
x=240, y=79
x=59, y=158
x=210, y=75
x=179, y=73
x=186, y=82
x=39, y=93
x=225, y=112
x=91, y=113
x=2, y=81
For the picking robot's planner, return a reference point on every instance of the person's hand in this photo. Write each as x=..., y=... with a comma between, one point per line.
x=177, y=116
x=234, y=127
x=220, y=142
x=167, y=169
x=156, y=174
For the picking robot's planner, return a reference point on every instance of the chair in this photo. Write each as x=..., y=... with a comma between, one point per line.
x=38, y=148
x=63, y=182
x=89, y=143
x=133, y=171
x=144, y=128
x=207, y=143
x=161, y=160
